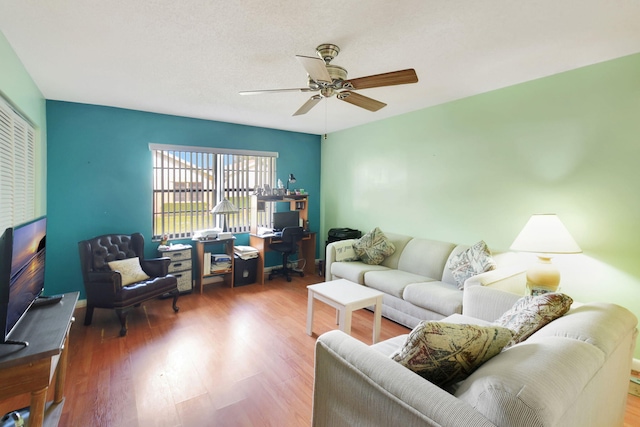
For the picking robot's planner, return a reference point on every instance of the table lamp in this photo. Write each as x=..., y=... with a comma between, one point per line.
x=224, y=208
x=545, y=235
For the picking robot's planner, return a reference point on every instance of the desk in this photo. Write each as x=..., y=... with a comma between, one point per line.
x=307, y=251
x=30, y=369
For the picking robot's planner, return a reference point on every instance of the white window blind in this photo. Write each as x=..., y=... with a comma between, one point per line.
x=189, y=181
x=17, y=167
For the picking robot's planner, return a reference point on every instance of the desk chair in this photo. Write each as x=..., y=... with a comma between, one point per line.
x=288, y=246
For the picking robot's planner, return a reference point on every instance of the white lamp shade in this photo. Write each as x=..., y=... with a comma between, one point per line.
x=545, y=234
x=224, y=207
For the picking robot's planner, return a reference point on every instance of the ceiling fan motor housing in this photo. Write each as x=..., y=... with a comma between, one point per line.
x=327, y=51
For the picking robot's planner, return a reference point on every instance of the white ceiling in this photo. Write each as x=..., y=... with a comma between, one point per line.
x=192, y=57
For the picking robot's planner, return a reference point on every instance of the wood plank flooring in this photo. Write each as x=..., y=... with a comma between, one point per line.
x=230, y=357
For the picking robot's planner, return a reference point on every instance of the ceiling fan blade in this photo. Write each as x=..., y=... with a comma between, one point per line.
x=315, y=67
x=385, y=79
x=258, y=92
x=308, y=105
x=360, y=100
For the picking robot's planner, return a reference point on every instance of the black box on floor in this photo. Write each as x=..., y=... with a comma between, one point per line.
x=244, y=271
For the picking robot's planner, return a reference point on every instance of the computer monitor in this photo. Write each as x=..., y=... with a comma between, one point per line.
x=286, y=219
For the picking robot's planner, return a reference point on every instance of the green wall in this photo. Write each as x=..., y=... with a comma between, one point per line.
x=17, y=86
x=479, y=167
x=100, y=174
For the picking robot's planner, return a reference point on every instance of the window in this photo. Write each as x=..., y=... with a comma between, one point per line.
x=17, y=167
x=189, y=181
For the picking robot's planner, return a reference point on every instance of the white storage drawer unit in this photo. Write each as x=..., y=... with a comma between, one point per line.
x=180, y=266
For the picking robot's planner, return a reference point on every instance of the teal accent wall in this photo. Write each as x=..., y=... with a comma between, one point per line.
x=100, y=174
x=17, y=86
x=478, y=168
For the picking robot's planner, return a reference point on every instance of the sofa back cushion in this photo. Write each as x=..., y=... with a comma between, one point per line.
x=399, y=241
x=425, y=257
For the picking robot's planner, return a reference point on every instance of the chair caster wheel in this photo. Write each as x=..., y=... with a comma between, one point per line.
x=288, y=279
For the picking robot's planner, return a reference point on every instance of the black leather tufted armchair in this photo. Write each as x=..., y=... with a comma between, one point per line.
x=104, y=286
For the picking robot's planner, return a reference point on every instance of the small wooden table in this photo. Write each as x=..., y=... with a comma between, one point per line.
x=345, y=296
x=30, y=369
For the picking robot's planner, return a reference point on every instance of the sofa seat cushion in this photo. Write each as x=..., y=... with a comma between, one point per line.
x=532, y=383
x=390, y=346
x=443, y=298
x=392, y=282
x=354, y=271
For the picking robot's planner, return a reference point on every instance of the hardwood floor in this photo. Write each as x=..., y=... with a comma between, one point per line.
x=230, y=357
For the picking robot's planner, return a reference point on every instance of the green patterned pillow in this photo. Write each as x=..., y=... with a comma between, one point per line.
x=373, y=247
x=445, y=353
x=531, y=313
x=475, y=260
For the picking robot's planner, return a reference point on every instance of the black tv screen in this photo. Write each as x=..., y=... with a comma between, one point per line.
x=22, y=263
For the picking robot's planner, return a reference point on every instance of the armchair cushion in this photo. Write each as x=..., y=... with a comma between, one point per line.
x=130, y=270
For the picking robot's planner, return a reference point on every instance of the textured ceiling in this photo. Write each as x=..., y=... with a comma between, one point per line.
x=191, y=58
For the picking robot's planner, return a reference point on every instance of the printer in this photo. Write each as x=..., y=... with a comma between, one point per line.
x=207, y=234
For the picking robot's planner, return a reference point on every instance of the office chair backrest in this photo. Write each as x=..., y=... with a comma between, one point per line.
x=292, y=234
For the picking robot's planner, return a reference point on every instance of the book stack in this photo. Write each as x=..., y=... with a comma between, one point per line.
x=220, y=263
x=245, y=252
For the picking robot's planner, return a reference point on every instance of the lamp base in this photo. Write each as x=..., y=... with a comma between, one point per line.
x=543, y=276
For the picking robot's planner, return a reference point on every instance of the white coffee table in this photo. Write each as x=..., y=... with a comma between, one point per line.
x=345, y=296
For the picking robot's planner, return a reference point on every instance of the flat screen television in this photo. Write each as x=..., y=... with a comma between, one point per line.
x=285, y=219
x=22, y=262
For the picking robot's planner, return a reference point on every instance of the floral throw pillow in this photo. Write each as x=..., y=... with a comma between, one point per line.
x=445, y=353
x=531, y=313
x=373, y=247
x=475, y=260
x=130, y=270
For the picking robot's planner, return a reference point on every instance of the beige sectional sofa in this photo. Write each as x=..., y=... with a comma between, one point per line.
x=572, y=372
x=416, y=281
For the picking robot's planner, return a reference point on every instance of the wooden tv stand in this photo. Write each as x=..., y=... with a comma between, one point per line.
x=30, y=369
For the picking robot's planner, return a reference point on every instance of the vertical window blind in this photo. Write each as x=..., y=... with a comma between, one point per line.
x=189, y=181
x=17, y=167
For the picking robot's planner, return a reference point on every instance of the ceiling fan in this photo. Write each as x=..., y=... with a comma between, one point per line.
x=329, y=80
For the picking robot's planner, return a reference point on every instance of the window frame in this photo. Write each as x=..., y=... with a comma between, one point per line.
x=207, y=175
x=18, y=138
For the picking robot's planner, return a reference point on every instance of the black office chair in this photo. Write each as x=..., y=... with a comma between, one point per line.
x=288, y=246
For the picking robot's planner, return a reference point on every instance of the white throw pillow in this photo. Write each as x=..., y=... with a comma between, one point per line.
x=130, y=270
x=344, y=251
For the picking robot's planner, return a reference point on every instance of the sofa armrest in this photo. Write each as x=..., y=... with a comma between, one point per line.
x=512, y=278
x=330, y=257
x=357, y=385
x=488, y=295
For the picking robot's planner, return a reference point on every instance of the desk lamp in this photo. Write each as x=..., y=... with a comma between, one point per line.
x=545, y=235
x=224, y=208
x=292, y=180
